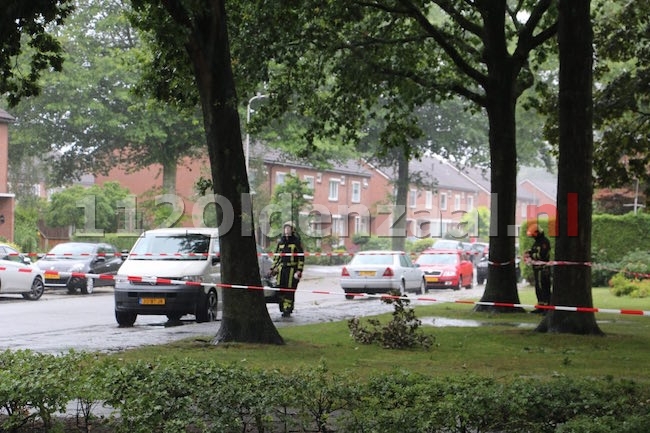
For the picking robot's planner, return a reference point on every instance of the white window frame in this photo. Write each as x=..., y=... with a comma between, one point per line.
x=443, y=201
x=333, y=193
x=428, y=200
x=470, y=203
x=311, y=184
x=457, y=202
x=413, y=198
x=356, y=192
x=280, y=177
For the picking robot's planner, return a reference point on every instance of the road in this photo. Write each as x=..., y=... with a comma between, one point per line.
x=59, y=322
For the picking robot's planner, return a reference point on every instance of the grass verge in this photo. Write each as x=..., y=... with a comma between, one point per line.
x=501, y=346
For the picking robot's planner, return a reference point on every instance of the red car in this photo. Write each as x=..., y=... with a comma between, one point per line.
x=446, y=269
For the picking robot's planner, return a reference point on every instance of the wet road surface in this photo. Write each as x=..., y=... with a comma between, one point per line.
x=59, y=322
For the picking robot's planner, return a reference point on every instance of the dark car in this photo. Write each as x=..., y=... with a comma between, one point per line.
x=479, y=250
x=80, y=257
x=482, y=270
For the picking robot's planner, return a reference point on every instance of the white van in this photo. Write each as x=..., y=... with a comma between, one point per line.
x=180, y=254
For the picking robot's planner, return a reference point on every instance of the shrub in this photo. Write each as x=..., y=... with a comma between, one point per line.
x=620, y=285
x=400, y=333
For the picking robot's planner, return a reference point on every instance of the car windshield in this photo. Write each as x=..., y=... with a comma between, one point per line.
x=437, y=259
x=372, y=259
x=446, y=245
x=190, y=246
x=70, y=251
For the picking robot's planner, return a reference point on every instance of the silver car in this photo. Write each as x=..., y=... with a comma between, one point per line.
x=381, y=272
x=19, y=275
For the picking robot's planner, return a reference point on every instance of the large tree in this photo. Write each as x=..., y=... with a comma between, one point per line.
x=344, y=58
x=26, y=46
x=192, y=40
x=572, y=279
x=88, y=119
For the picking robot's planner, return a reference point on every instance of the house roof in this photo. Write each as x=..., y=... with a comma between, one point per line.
x=5, y=117
x=437, y=172
x=541, y=179
x=277, y=157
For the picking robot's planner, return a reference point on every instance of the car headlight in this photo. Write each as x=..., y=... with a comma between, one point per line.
x=448, y=273
x=193, y=278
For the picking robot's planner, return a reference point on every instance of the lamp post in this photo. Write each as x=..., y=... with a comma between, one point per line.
x=248, y=119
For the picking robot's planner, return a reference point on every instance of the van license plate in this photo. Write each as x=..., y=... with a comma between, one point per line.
x=152, y=301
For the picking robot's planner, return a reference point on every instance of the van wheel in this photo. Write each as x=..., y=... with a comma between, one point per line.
x=206, y=309
x=125, y=319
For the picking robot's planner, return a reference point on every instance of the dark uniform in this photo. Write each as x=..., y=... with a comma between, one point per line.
x=288, y=265
x=541, y=252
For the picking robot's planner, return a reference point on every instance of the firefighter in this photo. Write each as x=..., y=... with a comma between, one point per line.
x=539, y=253
x=288, y=265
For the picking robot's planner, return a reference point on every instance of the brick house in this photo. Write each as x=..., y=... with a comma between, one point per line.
x=350, y=198
x=7, y=199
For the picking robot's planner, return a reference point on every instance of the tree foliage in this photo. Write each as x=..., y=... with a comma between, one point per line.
x=87, y=209
x=622, y=100
x=27, y=48
x=89, y=119
x=343, y=65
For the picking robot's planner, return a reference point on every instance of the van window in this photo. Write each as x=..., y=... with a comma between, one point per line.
x=189, y=246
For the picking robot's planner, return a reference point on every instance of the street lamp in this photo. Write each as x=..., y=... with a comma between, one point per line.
x=248, y=119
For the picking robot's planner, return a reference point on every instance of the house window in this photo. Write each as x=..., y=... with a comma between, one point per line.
x=334, y=190
x=443, y=201
x=524, y=208
x=457, y=202
x=356, y=192
x=280, y=176
x=413, y=197
x=338, y=227
x=470, y=203
x=428, y=196
x=311, y=182
x=361, y=225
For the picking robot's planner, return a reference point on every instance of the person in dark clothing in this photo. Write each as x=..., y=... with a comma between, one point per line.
x=540, y=252
x=288, y=265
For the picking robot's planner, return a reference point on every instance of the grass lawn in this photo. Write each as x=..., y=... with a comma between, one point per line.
x=501, y=346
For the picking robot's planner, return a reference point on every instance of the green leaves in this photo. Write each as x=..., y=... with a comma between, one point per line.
x=27, y=46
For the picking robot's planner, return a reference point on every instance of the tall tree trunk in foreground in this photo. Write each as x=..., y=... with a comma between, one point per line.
x=501, y=97
x=572, y=282
x=245, y=315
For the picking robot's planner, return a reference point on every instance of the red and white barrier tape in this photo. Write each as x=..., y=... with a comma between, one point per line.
x=25, y=269
x=424, y=298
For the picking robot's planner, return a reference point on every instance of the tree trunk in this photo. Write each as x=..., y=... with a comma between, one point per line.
x=572, y=282
x=501, y=97
x=245, y=315
x=169, y=176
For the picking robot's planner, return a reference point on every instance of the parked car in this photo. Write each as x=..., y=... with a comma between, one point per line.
x=482, y=270
x=447, y=244
x=80, y=258
x=19, y=275
x=178, y=254
x=479, y=250
x=446, y=269
x=381, y=272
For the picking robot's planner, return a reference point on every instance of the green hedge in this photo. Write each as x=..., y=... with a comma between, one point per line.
x=176, y=396
x=613, y=236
